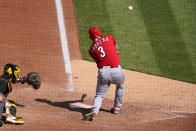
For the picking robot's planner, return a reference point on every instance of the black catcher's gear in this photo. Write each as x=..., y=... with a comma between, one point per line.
x=11, y=71
x=32, y=79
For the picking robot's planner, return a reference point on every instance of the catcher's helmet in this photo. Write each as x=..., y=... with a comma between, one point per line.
x=12, y=71
x=94, y=32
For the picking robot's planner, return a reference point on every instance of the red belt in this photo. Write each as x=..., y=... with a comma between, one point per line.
x=112, y=66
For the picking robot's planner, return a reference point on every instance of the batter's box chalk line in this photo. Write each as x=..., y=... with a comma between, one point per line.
x=186, y=112
x=174, y=114
x=158, y=119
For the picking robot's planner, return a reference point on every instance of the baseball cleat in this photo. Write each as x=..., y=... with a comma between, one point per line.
x=18, y=117
x=89, y=117
x=1, y=123
x=114, y=111
x=17, y=120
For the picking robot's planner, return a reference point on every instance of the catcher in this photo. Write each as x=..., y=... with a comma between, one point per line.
x=11, y=76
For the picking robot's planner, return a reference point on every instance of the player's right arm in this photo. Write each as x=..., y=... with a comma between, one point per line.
x=91, y=53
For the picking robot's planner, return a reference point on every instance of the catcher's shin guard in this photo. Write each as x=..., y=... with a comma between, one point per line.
x=11, y=117
x=10, y=107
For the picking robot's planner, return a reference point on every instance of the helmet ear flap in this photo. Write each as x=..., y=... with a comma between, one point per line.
x=8, y=70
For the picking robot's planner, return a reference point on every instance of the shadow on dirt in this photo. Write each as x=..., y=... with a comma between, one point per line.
x=66, y=104
x=19, y=105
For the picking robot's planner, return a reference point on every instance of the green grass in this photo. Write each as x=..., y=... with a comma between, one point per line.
x=155, y=37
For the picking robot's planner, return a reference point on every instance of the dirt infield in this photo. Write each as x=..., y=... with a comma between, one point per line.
x=30, y=38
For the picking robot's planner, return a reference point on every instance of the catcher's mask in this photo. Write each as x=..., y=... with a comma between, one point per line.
x=12, y=71
x=94, y=32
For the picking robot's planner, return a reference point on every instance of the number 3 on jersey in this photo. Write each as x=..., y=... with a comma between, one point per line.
x=100, y=49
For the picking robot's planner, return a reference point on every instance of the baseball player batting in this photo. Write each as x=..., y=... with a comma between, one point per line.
x=104, y=51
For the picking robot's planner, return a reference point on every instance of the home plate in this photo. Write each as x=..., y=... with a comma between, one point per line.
x=79, y=105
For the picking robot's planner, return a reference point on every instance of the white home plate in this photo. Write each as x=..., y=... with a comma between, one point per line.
x=79, y=105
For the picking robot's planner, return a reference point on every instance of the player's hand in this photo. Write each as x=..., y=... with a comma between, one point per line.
x=118, y=52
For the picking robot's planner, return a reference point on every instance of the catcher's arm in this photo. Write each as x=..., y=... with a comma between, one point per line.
x=32, y=79
x=22, y=80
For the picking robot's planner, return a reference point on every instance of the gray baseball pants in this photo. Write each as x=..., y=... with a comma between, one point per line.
x=2, y=104
x=106, y=76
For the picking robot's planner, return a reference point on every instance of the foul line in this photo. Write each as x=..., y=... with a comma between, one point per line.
x=64, y=42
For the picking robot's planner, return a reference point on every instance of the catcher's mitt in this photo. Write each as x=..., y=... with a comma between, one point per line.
x=33, y=79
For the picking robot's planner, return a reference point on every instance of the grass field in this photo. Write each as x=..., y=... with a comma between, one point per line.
x=155, y=37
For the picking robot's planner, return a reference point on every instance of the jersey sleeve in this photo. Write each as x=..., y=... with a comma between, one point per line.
x=112, y=38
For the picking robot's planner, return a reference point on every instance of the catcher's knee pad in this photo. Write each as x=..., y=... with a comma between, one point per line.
x=10, y=107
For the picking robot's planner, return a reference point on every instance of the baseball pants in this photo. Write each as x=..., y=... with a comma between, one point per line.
x=2, y=104
x=106, y=77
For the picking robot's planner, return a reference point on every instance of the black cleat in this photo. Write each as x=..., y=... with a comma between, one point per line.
x=1, y=123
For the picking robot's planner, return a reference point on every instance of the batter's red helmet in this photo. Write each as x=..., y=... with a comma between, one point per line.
x=94, y=32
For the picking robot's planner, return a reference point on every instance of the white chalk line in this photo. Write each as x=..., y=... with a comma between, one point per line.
x=175, y=116
x=159, y=119
x=186, y=112
x=171, y=111
x=64, y=43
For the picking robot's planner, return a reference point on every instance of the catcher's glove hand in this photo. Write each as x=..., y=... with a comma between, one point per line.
x=33, y=79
